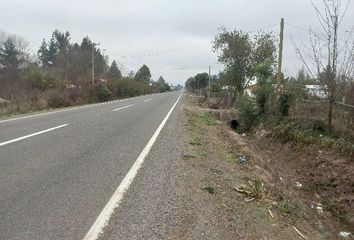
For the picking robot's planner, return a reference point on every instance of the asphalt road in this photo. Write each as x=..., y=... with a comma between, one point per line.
x=58, y=170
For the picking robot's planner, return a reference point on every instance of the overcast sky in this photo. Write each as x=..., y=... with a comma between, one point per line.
x=176, y=34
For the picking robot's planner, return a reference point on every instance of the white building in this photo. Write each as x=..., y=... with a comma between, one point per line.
x=316, y=91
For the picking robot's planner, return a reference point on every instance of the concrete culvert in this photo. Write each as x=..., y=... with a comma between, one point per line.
x=234, y=124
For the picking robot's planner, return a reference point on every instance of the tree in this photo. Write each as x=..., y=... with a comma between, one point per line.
x=114, y=73
x=235, y=53
x=264, y=73
x=202, y=80
x=303, y=77
x=331, y=62
x=162, y=85
x=241, y=56
x=13, y=59
x=12, y=53
x=263, y=49
x=198, y=82
x=143, y=74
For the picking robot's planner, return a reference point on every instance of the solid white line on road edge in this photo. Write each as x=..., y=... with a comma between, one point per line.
x=103, y=219
x=146, y=100
x=123, y=107
x=32, y=135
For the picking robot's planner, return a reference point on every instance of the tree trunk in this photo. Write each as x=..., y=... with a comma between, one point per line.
x=330, y=110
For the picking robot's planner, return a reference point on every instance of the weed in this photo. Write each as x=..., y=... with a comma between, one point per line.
x=254, y=189
x=187, y=157
x=192, y=120
x=288, y=207
x=316, y=186
x=229, y=158
x=337, y=211
x=308, y=132
x=210, y=190
x=195, y=141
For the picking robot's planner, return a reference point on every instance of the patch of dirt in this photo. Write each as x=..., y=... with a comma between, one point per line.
x=212, y=152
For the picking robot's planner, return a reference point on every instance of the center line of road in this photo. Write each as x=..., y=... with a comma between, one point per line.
x=32, y=135
x=146, y=100
x=103, y=219
x=122, y=107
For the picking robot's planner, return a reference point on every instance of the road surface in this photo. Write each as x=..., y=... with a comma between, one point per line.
x=59, y=170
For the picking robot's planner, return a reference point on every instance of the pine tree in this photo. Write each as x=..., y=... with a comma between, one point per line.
x=143, y=74
x=114, y=73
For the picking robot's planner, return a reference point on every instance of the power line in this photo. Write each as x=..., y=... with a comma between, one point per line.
x=166, y=52
x=264, y=28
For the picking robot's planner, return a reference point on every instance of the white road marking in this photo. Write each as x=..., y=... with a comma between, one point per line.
x=103, y=219
x=147, y=100
x=32, y=135
x=123, y=107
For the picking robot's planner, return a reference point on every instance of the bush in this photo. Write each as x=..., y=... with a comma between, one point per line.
x=58, y=99
x=284, y=104
x=309, y=132
x=248, y=111
x=104, y=94
x=126, y=87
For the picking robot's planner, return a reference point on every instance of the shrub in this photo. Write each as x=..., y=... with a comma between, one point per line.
x=248, y=111
x=285, y=100
x=58, y=99
x=104, y=94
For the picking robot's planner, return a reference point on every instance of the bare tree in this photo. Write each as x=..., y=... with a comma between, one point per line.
x=328, y=58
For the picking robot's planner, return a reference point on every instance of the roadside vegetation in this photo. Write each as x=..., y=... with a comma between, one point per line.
x=62, y=73
x=298, y=130
x=234, y=193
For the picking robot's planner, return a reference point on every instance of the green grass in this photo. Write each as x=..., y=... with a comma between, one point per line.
x=317, y=186
x=288, y=207
x=308, y=132
x=210, y=190
x=208, y=119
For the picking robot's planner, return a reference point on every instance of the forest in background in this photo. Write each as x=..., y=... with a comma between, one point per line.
x=63, y=74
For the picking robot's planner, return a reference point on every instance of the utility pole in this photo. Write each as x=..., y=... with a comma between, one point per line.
x=104, y=59
x=209, y=82
x=280, y=56
x=93, y=61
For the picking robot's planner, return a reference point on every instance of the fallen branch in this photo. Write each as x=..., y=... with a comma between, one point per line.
x=302, y=235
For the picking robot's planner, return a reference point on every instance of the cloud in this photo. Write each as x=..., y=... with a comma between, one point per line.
x=142, y=27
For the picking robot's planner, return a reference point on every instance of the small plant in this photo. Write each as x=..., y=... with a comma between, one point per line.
x=337, y=211
x=288, y=207
x=192, y=120
x=230, y=158
x=195, y=141
x=210, y=190
x=254, y=189
x=187, y=157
